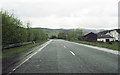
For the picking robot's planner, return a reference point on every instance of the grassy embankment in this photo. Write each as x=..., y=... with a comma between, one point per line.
x=114, y=46
x=13, y=51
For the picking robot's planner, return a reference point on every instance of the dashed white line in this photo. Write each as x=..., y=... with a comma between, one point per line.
x=72, y=53
x=98, y=48
x=29, y=57
x=64, y=46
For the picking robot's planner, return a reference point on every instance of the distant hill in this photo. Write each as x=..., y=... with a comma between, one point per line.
x=92, y=30
x=51, y=32
x=107, y=31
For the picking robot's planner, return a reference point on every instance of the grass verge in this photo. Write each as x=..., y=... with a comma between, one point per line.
x=6, y=53
x=114, y=46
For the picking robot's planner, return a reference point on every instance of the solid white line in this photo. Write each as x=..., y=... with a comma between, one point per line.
x=99, y=48
x=30, y=57
x=72, y=53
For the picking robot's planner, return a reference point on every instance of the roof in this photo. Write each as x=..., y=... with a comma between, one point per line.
x=104, y=36
x=89, y=34
x=108, y=31
x=118, y=30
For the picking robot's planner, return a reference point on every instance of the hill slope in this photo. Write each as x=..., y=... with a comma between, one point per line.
x=51, y=32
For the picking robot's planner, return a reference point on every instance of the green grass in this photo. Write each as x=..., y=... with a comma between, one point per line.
x=13, y=51
x=114, y=46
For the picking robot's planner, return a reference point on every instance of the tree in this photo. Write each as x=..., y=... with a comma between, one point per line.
x=13, y=30
x=74, y=35
x=30, y=34
x=53, y=37
x=62, y=35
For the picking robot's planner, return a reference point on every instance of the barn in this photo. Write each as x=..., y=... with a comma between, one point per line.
x=91, y=37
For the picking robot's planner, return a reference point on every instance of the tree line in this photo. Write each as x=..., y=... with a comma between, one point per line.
x=14, y=31
x=77, y=34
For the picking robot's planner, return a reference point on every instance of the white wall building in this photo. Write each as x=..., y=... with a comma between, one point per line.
x=105, y=38
x=114, y=34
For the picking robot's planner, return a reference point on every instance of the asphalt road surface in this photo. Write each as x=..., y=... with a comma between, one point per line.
x=61, y=56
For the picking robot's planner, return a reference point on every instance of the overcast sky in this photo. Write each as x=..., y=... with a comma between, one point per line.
x=65, y=13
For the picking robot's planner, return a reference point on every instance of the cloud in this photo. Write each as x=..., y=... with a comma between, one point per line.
x=65, y=13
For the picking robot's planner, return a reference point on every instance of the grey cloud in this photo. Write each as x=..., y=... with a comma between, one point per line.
x=65, y=13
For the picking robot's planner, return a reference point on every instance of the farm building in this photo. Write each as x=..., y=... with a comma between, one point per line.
x=105, y=38
x=109, y=35
x=91, y=37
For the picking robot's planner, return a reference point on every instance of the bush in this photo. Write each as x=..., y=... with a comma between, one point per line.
x=13, y=30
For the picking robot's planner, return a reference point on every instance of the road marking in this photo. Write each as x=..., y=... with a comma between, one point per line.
x=72, y=53
x=29, y=57
x=64, y=46
x=98, y=48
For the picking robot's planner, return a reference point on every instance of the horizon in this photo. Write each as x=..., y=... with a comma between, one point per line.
x=65, y=14
x=76, y=28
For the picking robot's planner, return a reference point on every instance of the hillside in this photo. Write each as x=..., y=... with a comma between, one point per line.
x=51, y=32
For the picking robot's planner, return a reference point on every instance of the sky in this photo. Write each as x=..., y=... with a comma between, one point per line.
x=66, y=14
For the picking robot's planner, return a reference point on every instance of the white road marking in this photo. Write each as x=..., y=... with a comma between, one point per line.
x=72, y=53
x=30, y=57
x=64, y=46
x=98, y=48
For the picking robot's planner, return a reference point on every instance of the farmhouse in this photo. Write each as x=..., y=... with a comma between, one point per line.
x=115, y=33
x=105, y=38
x=109, y=35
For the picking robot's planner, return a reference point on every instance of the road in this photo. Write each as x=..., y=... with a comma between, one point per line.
x=61, y=56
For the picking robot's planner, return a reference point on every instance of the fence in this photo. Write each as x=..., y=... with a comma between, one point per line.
x=16, y=45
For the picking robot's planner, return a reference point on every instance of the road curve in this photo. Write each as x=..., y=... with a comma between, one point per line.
x=61, y=56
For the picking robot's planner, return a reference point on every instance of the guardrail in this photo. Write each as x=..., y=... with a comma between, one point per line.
x=16, y=45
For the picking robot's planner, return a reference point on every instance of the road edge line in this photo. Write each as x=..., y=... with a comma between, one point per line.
x=98, y=48
x=47, y=43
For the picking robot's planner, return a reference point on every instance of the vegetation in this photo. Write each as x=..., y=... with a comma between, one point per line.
x=77, y=36
x=62, y=35
x=55, y=32
x=53, y=37
x=74, y=35
x=114, y=46
x=14, y=31
x=13, y=51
